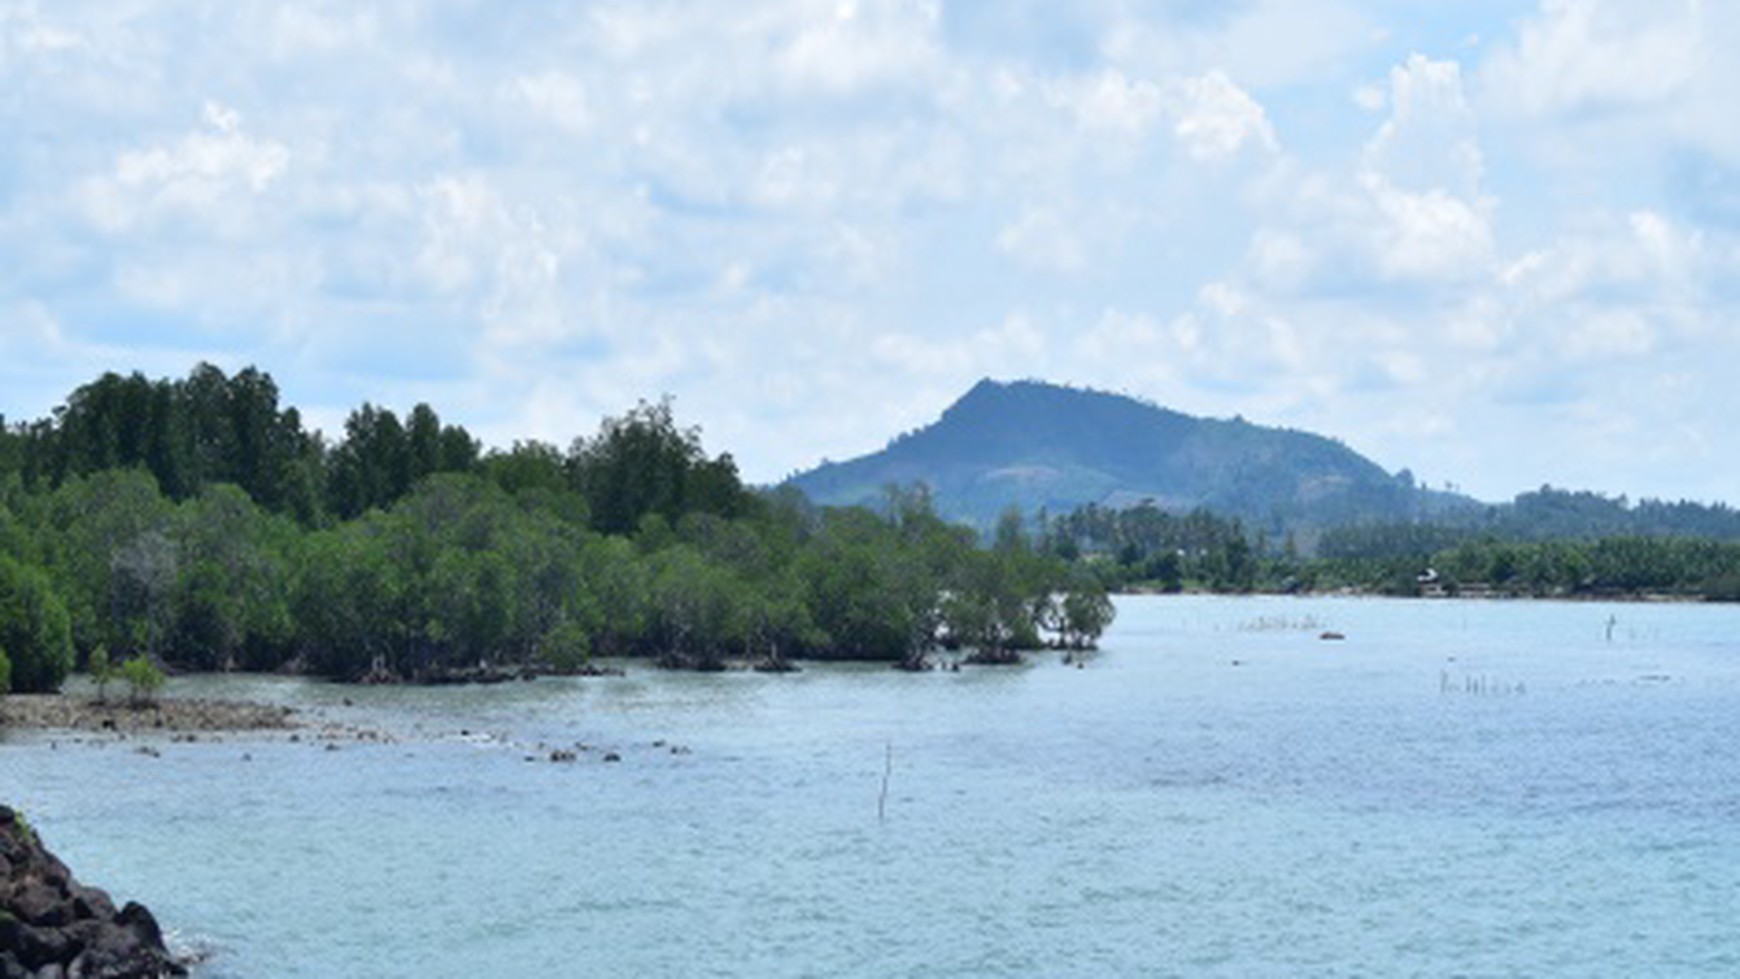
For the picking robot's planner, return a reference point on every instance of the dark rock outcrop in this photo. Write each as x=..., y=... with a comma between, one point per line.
x=51, y=925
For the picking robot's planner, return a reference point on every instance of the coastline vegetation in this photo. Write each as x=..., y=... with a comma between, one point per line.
x=197, y=525
x=1648, y=556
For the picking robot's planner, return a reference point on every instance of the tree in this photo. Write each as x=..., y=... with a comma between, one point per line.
x=1085, y=612
x=614, y=580
x=870, y=597
x=101, y=671
x=347, y=601
x=143, y=678
x=230, y=603
x=87, y=522
x=642, y=463
x=527, y=466
x=143, y=574
x=34, y=629
x=371, y=468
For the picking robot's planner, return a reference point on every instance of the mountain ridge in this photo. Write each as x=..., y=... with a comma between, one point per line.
x=1035, y=444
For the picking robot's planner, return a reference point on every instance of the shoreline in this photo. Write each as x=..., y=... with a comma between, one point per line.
x=1624, y=598
x=168, y=716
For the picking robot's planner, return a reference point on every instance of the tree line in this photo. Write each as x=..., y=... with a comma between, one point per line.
x=197, y=524
x=1145, y=547
x=1621, y=566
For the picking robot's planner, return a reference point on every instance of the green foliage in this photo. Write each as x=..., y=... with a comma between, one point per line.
x=22, y=830
x=566, y=648
x=143, y=678
x=1605, y=567
x=5, y=672
x=1153, y=548
x=101, y=671
x=34, y=629
x=642, y=463
x=229, y=538
x=207, y=428
x=871, y=598
x=1085, y=611
x=229, y=605
x=85, y=525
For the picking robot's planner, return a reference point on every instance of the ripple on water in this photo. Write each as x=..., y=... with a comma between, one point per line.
x=1310, y=812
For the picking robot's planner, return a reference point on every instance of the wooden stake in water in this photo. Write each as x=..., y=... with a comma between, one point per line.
x=887, y=770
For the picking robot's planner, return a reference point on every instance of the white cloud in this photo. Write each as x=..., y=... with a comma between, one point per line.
x=852, y=44
x=1217, y=120
x=1001, y=350
x=303, y=29
x=1429, y=141
x=1611, y=333
x=1642, y=257
x=557, y=96
x=207, y=174
x=797, y=176
x=1431, y=236
x=1209, y=115
x=1596, y=55
x=1224, y=299
x=1413, y=213
x=784, y=210
x=1112, y=102
x=1279, y=260
x=1264, y=43
x=463, y=219
x=1042, y=239
x=1422, y=170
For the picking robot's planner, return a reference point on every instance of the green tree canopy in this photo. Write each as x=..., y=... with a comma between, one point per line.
x=34, y=629
x=642, y=463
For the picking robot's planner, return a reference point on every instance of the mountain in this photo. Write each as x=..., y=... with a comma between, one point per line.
x=1032, y=444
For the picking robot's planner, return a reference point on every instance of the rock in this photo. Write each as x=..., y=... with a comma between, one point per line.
x=37, y=903
x=135, y=918
x=53, y=926
x=91, y=902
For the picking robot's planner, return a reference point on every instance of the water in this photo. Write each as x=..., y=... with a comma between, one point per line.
x=1458, y=789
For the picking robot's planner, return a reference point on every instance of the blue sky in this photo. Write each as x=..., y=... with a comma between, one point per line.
x=1496, y=243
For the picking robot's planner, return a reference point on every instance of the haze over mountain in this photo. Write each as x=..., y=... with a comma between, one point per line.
x=1032, y=444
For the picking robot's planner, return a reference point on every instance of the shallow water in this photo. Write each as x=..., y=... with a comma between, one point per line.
x=1459, y=788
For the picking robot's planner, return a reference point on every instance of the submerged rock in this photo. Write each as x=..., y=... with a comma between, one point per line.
x=51, y=925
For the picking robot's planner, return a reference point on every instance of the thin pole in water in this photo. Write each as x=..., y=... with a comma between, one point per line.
x=887, y=770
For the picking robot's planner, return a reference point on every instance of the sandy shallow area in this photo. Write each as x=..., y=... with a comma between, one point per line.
x=165, y=715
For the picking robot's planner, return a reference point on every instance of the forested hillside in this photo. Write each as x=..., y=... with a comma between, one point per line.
x=1040, y=446
x=196, y=523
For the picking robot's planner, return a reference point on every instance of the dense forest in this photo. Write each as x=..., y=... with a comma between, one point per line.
x=196, y=523
x=1614, y=551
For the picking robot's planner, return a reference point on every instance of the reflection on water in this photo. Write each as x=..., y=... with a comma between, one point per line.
x=1219, y=792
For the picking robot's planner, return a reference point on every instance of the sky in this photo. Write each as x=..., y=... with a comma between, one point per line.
x=1495, y=243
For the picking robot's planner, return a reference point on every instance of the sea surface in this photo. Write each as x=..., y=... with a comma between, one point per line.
x=1454, y=789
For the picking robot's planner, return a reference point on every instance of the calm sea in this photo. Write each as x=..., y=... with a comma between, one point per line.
x=1455, y=789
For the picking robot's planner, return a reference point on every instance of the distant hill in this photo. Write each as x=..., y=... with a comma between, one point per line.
x=1033, y=445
